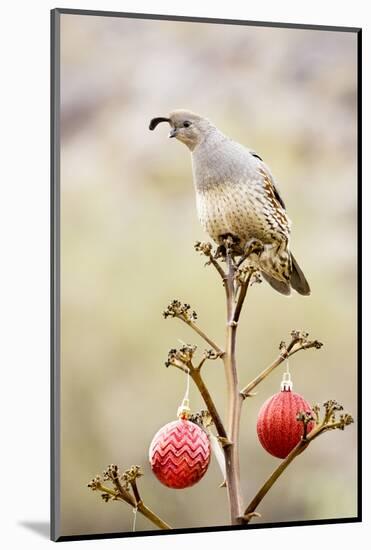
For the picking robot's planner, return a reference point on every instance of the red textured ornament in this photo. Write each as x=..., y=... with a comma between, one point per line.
x=180, y=454
x=278, y=430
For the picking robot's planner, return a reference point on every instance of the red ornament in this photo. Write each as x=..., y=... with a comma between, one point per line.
x=180, y=454
x=278, y=430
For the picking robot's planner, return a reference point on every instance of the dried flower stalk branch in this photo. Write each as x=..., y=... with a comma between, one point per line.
x=125, y=489
x=182, y=359
x=299, y=341
x=236, y=279
x=329, y=422
x=184, y=313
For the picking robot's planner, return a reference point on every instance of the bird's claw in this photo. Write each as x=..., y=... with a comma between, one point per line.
x=254, y=246
x=219, y=252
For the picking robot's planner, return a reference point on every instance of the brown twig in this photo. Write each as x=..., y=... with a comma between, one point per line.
x=207, y=250
x=201, y=333
x=234, y=278
x=241, y=297
x=183, y=312
x=300, y=447
x=329, y=423
x=229, y=438
x=154, y=518
x=183, y=359
x=112, y=474
x=231, y=451
x=298, y=342
x=197, y=378
x=121, y=491
x=135, y=490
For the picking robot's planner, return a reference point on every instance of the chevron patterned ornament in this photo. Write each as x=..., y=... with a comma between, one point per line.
x=278, y=429
x=180, y=454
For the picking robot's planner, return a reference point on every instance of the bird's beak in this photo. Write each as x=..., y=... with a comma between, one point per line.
x=172, y=133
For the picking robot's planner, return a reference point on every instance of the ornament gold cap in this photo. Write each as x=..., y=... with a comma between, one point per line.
x=184, y=410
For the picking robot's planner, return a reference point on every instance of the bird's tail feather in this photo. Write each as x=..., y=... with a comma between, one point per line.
x=280, y=286
x=297, y=279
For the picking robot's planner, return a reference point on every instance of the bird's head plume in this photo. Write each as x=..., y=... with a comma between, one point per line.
x=186, y=126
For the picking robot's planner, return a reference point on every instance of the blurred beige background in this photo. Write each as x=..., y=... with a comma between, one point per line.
x=128, y=227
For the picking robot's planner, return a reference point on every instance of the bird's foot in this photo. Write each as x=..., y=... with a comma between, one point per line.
x=219, y=252
x=254, y=246
x=229, y=247
x=229, y=242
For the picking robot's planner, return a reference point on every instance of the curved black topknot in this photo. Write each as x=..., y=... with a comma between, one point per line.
x=155, y=121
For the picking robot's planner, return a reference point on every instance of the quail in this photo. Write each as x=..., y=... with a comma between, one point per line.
x=237, y=198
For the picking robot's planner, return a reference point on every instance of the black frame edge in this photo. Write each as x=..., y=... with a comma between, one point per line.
x=54, y=277
x=195, y=19
x=150, y=533
x=359, y=271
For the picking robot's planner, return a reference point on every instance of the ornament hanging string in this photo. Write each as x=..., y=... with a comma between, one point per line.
x=184, y=410
x=186, y=395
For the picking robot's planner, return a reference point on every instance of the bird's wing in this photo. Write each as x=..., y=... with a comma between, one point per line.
x=270, y=185
x=277, y=194
x=274, y=198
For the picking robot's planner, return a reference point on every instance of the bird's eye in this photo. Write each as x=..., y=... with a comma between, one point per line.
x=186, y=124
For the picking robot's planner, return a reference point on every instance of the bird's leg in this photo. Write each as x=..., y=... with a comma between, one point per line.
x=228, y=242
x=253, y=246
x=220, y=252
x=231, y=246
